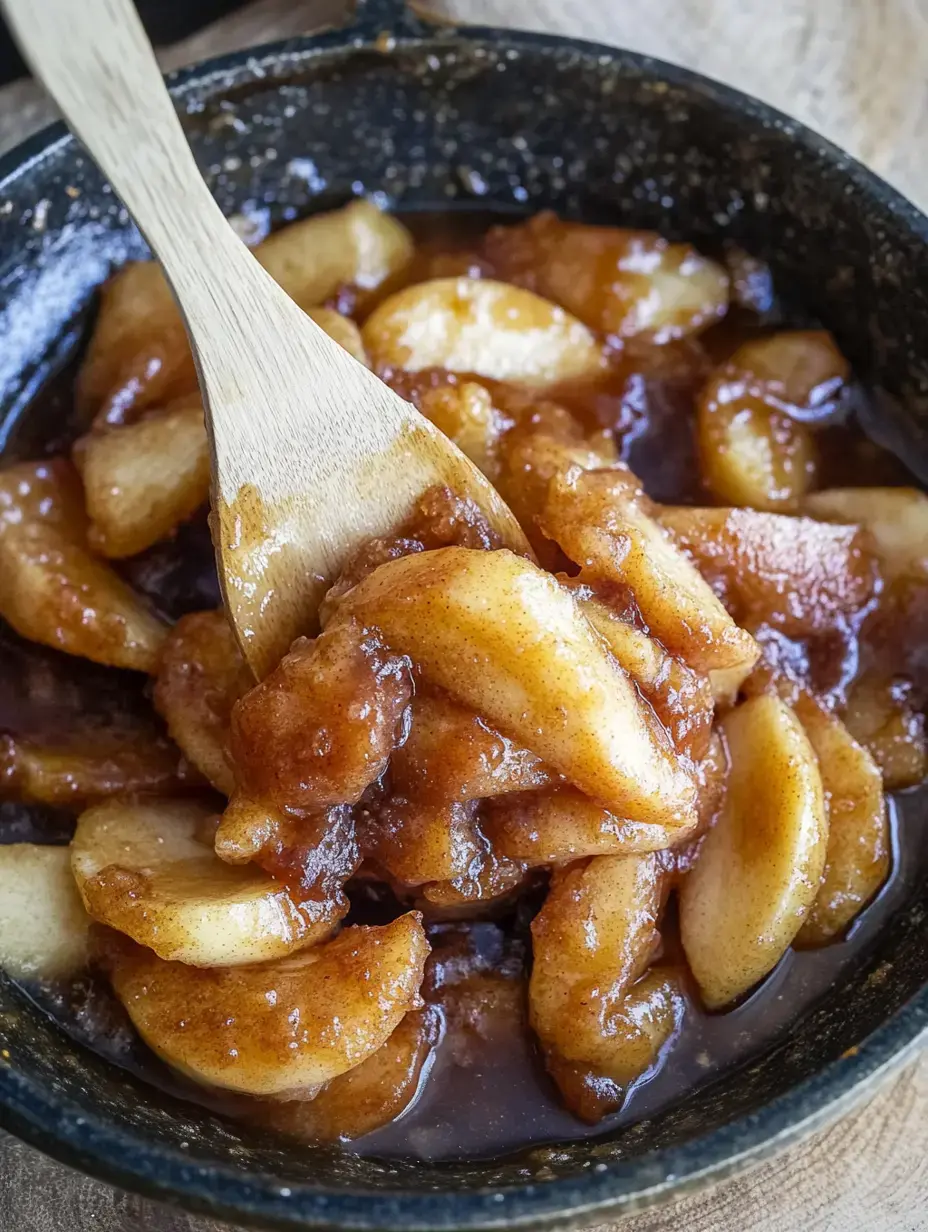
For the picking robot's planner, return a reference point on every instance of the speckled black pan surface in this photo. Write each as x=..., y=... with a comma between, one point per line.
x=436, y=118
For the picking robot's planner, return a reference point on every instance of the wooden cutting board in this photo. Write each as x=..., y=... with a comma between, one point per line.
x=856, y=70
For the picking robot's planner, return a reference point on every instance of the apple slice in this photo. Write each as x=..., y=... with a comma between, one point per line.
x=858, y=855
x=754, y=447
x=546, y=441
x=92, y=765
x=883, y=716
x=760, y=867
x=795, y=574
x=52, y=589
x=552, y=827
x=490, y=879
x=321, y=727
x=897, y=518
x=201, y=675
x=505, y=638
x=43, y=924
x=645, y=1021
x=142, y=480
x=594, y=936
x=277, y=1027
x=372, y=1094
x=467, y=415
x=682, y=698
x=452, y=754
x=621, y=282
x=143, y=868
x=417, y=842
x=483, y=327
x=602, y=522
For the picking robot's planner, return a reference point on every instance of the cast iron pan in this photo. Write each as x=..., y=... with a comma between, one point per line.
x=438, y=118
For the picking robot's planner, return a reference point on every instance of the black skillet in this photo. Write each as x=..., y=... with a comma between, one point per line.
x=440, y=118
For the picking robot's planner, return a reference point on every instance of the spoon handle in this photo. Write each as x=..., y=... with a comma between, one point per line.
x=95, y=59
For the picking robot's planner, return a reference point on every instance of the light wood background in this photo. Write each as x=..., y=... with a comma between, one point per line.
x=856, y=70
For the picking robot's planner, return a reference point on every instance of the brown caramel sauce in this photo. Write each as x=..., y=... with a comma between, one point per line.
x=483, y=1101
x=487, y=1091
x=259, y=557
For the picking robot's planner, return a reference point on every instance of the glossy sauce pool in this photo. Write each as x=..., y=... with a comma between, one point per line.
x=486, y=1092
x=500, y=1098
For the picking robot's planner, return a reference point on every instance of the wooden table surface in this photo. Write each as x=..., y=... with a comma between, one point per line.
x=856, y=70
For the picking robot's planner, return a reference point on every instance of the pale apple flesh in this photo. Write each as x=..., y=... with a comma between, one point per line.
x=760, y=867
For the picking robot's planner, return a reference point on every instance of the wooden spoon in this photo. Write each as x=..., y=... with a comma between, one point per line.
x=311, y=453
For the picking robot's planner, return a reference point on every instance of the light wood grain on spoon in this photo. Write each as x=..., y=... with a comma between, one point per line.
x=312, y=454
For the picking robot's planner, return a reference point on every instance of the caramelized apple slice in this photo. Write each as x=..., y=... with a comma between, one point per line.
x=503, y=637
x=358, y=246
x=754, y=447
x=795, y=574
x=880, y=715
x=201, y=675
x=555, y=826
x=43, y=924
x=466, y=414
x=52, y=590
x=277, y=1027
x=760, y=867
x=312, y=853
x=320, y=729
x=858, y=854
x=748, y=454
x=91, y=766
x=592, y=939
x=548, y=443
x=552, y=827
x=451, y=753
x=482, y=327
x=374, y=1093
x=646, y=1020
x=139, y=357
x=601, y=521
x=144, y=479
x=417, y=842
x=897, y=518
x=144, y=869
x=800, y=372
x=682, y=699
x=490, y=879
x=440, y=519
x=618, y=281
